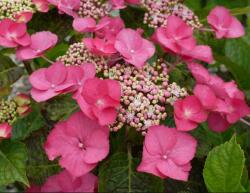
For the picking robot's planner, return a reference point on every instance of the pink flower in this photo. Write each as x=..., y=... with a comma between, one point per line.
x=188, y=113
x=41, y=5
x=177, y=37
x=49, y=82
x=217, y=122
x=109, y=27
x=5, y=131
x=237, y=108
x=77, y=75
x=69, y=7
x=200, y=73
x=79, y=142
x=86, y=24
x=120, y=4
x=40, y=43
x=102, y=47
x=206, y=96
x=134, y=49
x=24, y=17
x=63, y=182
x=167, y=153
x=224, y=101
x=13, y=34
x=224, y=24
x=100, y=99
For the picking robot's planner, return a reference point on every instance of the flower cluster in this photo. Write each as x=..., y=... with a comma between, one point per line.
x=78, y=54
x=10, y=110
x=11, y=9
x=93, y=8
x=158, y=12
x=146, y=92
x=115, y=85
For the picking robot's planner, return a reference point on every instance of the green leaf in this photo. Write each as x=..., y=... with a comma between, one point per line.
x=60, y=108
x=224, y=168
x=248, y=186
x=13, y=157
x=9, y=71
x=39, y=167
x=237, y=60
x=23, y=127
x=118, y=174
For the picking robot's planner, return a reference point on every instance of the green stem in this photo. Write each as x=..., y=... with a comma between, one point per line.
x=28, y=67
x=129, y=161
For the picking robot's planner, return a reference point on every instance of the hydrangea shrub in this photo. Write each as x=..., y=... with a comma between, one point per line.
x=124, y=96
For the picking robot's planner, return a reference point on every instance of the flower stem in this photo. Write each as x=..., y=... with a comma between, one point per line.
x=28, y=67
x=245, y=121
x=47, y=59
x=206, y=29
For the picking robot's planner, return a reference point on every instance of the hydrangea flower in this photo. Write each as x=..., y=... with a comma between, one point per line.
x=100, y=99
x=79, y=142
x=224, y=24
x=40, y=43
x=67, y=6
x=49, y=82
x=120, y=4
x=167, y=153
x=63, y=182
x=23, y=17
x=77, y=75
x=188, y=113
x=5, y=131
x=13, y=34
x=86, y=24
x=41, y=5
x=223, y=100
x=98, y=46
x=134, y=49
x=177, y=37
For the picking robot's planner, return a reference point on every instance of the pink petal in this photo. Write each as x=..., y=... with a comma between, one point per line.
x=160, y=139
x=217, y=122
x=56, y=73
x=38, y=80
x=106, y=116
x=184, y=125
x=206, y=96
x=184, y=149
x=97, y=147
x=26, y=53
x=170, y=169
x=236, y=29
x=85, y=24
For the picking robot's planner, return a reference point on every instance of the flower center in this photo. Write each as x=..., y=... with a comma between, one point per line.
x=132, y=51
x=81, y=146
x=99, y=102
x=165, y=157
x=187, y=113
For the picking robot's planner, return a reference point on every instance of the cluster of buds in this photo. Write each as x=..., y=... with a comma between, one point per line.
x=78, y=54
x=11, y=8
x=158, y=12
x=11, y=109
x=8, y=111
x=93, y=8
x=145, y=94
